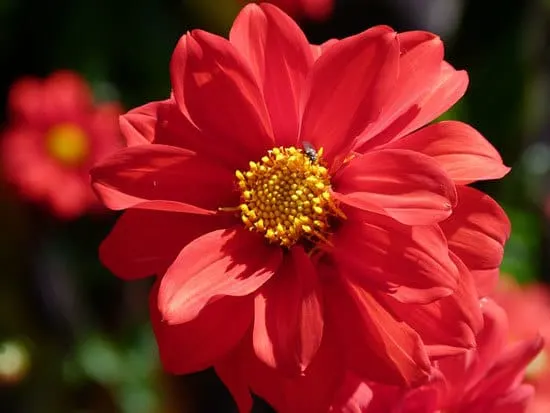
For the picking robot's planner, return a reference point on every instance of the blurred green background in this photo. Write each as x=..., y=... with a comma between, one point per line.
x=73, y=338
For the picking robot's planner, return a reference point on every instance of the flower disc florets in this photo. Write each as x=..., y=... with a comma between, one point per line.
x=68, y=144
x=286, y=196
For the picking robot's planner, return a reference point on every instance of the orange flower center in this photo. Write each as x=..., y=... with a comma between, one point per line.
x=286, y=196
x=67, y=143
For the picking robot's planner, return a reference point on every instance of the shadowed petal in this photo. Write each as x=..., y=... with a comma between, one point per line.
x=221, y=263
x=509, y=368
x=160, y=172
x=217, y=91
x=347, y=87
x=230, y=371
x=312, y=392
x=410, y=263
x=175, y=129
x=476, y=233
x=458, y=148
x=465, y=371
x=280, y=57
x=145, y=242
x=408, y=186
x=515, y=401
x=288, y=324
x=138, y=125
x=448, y=88
x=354, y=396
x=377, y=346
x=447, y=326
x=200, y=343
x=419, y=68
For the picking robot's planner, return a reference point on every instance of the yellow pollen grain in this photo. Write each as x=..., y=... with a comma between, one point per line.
x=286, y=197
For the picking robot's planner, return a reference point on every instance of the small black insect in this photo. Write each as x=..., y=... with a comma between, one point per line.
x=310, y=151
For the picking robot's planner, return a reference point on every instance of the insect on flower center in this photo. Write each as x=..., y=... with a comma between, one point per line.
x=286, y=196
x=67, y=143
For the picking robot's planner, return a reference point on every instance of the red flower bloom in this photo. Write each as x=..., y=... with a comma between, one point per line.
x=293, y=213
x=488, y=378
x=54, y=136
x=528, y=309
x=312, y=9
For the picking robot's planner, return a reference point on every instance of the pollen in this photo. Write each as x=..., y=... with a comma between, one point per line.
x=68, y=144
x=286, y=197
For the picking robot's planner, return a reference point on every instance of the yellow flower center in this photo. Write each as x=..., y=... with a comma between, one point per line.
x=67, y=143
x=286, y=196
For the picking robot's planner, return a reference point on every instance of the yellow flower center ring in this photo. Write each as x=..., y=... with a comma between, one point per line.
x=68, y=144
x=286, y=196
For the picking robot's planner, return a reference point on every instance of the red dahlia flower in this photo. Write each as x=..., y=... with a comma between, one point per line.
x=528, y=309
x=55, y=135
x=488, y=378
x=299, y=223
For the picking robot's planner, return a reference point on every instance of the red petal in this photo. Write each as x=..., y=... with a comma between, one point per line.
x=280, y=57
x=138, y=125
x=448, y=323
x=62, y=97
x=161, y=172
x=216, y=90
x=386, y=398
x=423, y=400
x=476, y=232
x=419, y=67
x=408, y=186
x=347, y=87
x=312, y=392
x=509, y=369
x=381, y=253
x=174, y=129
x=459, y=149
x=288, y=323
x=230, y=372
x=318, y=50
x=146, y=242
x=232, y=262
x=66, y=92
x=104, y=125
x=200, y=343
x=377, y=346
x=25, y=98
x=515, y=401
x=448, y=90
x=411, y=40
x=444, y=93
x=465, y=371
x=353, y=397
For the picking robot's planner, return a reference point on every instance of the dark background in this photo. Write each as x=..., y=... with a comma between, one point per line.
x=73, y=338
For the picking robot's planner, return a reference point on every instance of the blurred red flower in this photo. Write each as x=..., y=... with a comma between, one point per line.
x=528, y=309
x=55, y=134
x=299, y=222
x=489, y=378
x=311, y=9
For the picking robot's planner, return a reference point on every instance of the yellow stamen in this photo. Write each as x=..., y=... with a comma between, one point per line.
x=68, y=144
x=286, y=197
